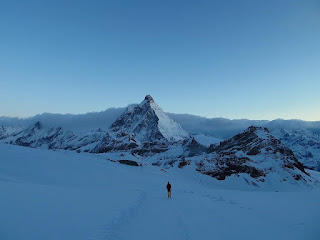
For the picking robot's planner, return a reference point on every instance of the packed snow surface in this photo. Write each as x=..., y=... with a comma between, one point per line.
x=65, y=195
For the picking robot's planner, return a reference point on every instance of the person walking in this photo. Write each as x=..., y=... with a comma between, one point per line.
x=169, y=190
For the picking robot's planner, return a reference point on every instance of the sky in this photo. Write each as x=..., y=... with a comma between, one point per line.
x=225, y=58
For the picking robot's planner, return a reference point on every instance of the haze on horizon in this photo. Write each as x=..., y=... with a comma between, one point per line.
x=231, y=59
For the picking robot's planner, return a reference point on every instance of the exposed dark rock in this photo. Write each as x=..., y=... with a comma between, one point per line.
x=297, y=177
x=254, y=151
x=183, y=163
x=132, y=146
x=159, y=150
x=129, y=162
x=170, y=163
x=157, y=163
x=140, y=152
x=227, y=166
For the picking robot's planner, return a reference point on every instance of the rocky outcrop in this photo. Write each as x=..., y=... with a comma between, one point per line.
x=254, y=152
x=129, y=162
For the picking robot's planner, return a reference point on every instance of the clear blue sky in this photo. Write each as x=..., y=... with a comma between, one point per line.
x=233, y=59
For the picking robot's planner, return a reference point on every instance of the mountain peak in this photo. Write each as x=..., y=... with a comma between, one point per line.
x=149, y=98
x=140, y=126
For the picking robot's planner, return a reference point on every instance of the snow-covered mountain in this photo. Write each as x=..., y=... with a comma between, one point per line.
x=39, y=136
x=145, y=135
x=257, y=153
x=304, y=143
x=142, y=127
x=302, y=137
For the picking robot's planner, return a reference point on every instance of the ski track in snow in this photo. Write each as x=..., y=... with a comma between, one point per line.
x=181, y=223
x=163, y=215
x=124, y=219
x=112, y=230
x=131, y=223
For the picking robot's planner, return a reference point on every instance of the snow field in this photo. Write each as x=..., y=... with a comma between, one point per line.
x=65, y=195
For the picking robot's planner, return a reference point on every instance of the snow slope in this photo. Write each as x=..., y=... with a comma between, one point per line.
x=168, y=128
x=57, y=195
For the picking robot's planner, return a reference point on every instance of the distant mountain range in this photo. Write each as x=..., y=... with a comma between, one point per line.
x=144, y=134
x=221, y=128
